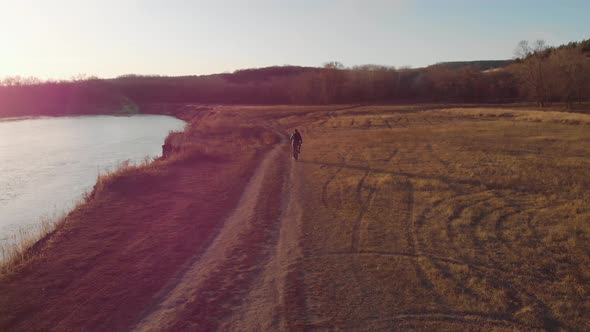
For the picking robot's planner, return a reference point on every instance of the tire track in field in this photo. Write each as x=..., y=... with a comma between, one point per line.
x=332, y=177
x=472, y=318
x=458, y=211
x=432, y=257
x=417, y=253
x=501, y=279
x=324, y=196
x=439, y=263
x=416, y=248
x=364, y=206
x=435, y=261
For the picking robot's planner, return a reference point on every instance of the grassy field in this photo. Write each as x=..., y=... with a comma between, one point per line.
x=395, y=217
x=445, y=218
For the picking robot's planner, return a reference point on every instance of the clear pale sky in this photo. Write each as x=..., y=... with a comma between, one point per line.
x=106, y=38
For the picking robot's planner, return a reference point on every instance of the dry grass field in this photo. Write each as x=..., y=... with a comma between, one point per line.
x=445, y=219
x=394, y=218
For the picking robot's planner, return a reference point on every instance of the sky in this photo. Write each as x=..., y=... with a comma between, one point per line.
x=58, y=39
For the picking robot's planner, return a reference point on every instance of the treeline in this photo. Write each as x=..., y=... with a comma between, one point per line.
x=541, y=74
x=91, y=96
x=332, y=83
x=553, y=74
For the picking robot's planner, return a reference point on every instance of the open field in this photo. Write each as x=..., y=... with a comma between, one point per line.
x=394, y=218
x=447, y=219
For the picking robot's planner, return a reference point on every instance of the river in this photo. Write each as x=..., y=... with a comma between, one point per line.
x=46, y=164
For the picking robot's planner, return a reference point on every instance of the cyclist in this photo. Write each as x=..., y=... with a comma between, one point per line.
x=296, y=141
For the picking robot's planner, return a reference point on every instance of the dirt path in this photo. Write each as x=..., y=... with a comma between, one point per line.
x=251, y=277
x=277, y=299
x=230, y=267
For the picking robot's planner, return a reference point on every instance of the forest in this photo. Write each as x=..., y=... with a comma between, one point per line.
x=538, y=73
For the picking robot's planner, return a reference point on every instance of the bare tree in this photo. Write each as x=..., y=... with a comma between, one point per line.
x=532, y=69
x=523, y=50
x=333, y=65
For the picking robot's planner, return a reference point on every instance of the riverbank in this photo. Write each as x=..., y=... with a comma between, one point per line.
x=134, y=230
x=48, y=164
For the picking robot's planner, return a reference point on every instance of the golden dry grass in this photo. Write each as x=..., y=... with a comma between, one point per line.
x=447, y=219
x=17, y=249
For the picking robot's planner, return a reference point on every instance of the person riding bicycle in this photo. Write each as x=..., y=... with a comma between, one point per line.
x=296, y=140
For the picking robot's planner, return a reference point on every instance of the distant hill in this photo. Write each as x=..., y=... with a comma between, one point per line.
x=481, y=65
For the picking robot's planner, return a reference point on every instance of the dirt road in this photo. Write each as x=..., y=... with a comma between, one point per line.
x=393, y=219
x=231, y=266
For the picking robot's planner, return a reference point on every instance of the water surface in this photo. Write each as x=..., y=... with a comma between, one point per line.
x=46, y=164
